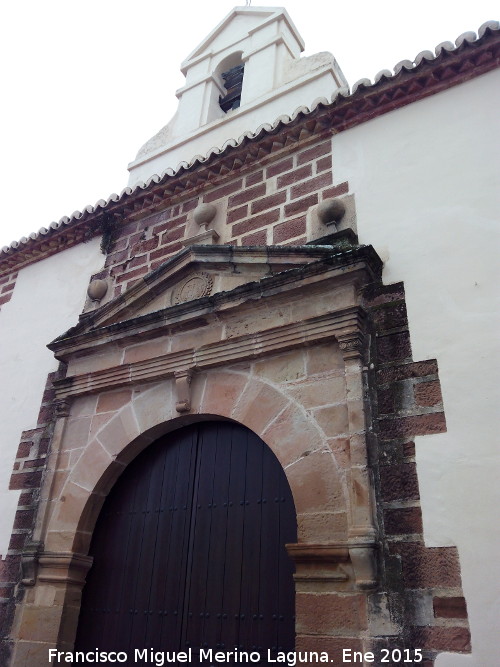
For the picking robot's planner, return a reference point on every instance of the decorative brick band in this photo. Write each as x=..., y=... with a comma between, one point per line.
x=27, y=476
x=7, y=284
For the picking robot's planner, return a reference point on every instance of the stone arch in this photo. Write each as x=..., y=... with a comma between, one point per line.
x=317, y=484
x=229, y=76
x=216, y=88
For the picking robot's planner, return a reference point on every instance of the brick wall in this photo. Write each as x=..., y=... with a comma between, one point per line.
x=262, y=206
x=423, y=584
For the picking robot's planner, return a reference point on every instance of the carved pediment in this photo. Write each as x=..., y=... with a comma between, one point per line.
x=203, y=284
x=213, y=305
x=197, y=272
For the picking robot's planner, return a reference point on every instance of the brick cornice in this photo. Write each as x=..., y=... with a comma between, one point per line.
x=415, y=82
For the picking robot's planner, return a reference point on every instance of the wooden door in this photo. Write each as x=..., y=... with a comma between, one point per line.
x=189, y=549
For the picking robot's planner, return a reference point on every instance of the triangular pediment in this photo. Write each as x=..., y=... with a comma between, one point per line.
x=195, y=273
x=237, y=25
x=209, y=294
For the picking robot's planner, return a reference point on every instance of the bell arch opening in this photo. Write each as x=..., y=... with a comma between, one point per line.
x=226, y=85
x=189, y=549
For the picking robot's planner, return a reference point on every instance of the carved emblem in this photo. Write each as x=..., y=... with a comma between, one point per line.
x=194, y=287
x=350, y=345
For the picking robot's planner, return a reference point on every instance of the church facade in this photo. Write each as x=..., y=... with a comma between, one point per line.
x=276, y=358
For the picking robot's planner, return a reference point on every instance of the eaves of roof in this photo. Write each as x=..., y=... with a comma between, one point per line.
x=428, y=74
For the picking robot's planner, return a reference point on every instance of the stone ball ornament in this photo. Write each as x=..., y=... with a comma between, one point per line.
x=331, y=211
x=204, y=214
x=97, y=289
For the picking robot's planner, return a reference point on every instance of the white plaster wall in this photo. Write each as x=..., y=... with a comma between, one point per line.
x=47, y=299
x=425, y=179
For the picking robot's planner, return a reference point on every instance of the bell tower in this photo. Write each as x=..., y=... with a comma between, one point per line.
x=246, y=72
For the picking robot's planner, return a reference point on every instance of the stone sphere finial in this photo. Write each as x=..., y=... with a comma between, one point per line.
x=331, y=211
x=97, y=289
x=204, y=214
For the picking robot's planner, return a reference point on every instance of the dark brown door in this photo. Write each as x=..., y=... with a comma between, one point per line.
x=189, y=549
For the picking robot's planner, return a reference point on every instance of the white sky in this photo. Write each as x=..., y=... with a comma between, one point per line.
x=85, y=84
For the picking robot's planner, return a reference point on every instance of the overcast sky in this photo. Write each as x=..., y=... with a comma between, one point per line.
x=85, y=84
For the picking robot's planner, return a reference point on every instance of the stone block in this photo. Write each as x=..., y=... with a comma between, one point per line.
x=356, y=416
x=404, y=520
x=318, y=393
x=258, y=406
x=399, y=482
x=121, y=430
x=95, y=467
x=442, y=639
x=31, y=653
x=354, y=386
x=147, y=350
x=74, y=455
x=68, y=509
x=222, y=391
x=204, y=335
x=76, y=434
x=393, y=347
x=334, y=420
x=96, y=362
x=449, y=607
x=113, y=400
x=428, y=567
x=324, y=359
x=290, y=436
x=285, y=367
x=382, y=615
x=40, y=624
x=428, y=394
x=154, y=405
x=400, y=427
x=98, y=422
x=341, y=450
x=330, y=613
x=316, y=483
x=419, y=606
x=322, y=526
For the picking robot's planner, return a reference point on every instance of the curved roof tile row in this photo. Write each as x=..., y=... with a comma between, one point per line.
x=466, y=38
